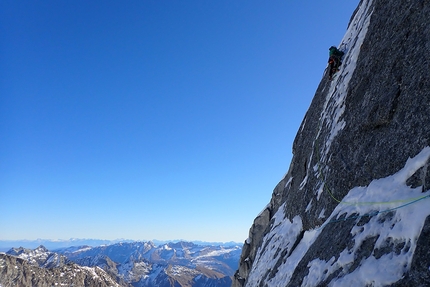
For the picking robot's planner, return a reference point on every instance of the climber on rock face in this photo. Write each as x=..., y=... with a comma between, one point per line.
x=334, y=60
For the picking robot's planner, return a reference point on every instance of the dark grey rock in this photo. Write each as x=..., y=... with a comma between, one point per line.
x=387, y=121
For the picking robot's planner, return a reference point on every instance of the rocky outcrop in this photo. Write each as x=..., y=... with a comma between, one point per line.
x=17, y=272
x=40, y=257
x=354, y=203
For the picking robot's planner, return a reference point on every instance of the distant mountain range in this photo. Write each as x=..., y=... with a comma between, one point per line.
x=138, y=264
x=5, y=245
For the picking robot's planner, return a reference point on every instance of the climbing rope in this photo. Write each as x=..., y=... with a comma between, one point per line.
x=374, y=213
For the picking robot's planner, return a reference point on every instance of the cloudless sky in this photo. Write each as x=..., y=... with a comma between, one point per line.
x=153, y=119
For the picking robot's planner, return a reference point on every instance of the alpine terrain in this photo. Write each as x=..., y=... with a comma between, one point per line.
x=18, y=272
x=354, y=207
x=121, y=264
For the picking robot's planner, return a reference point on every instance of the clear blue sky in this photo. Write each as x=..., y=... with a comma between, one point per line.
x=153, y=119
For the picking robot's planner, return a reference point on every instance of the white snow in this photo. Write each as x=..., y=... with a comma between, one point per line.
x=289, y=181
x=309, y=206
x=317, y=268
x=91, y=270
x=322, y=213
x=287, y=269
x=214, y=253
x=303, y=183
x=81, y=249
x=166, y=247
x=178, y=270
x=319, y=191
x=282, y=236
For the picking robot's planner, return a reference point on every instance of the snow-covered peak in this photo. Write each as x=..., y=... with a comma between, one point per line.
x=39, y=256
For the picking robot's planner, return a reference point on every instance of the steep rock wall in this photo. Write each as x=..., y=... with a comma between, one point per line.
x=354, y=203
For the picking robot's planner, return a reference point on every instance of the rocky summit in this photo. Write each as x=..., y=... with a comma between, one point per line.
x=18, y=272
x=40, y=257
x=354, y=207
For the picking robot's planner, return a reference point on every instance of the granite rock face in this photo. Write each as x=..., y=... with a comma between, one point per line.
x=356, y=193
